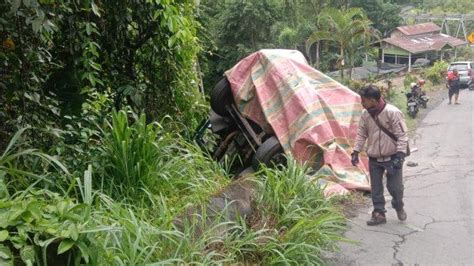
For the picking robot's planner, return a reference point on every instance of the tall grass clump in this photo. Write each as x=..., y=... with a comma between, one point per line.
x=307, y=222
x=22, y=167
x=130, y=155
x=143, y=161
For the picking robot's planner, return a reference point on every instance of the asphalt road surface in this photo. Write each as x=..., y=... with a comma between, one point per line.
x=439, y=199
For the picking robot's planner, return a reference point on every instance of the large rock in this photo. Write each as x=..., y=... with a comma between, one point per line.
x=228, y=205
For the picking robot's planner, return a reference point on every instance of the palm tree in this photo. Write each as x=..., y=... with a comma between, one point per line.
x=349, y=29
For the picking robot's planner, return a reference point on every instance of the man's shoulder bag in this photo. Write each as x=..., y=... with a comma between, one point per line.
x=391, y=135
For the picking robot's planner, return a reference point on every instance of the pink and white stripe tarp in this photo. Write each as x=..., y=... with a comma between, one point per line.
x=314, y=117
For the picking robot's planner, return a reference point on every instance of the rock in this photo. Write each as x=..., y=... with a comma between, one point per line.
x=412, y=164
x=228, y=205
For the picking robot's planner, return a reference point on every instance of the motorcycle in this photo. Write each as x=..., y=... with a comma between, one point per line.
x=423, y=100
x=419, y=94
x=412, y=104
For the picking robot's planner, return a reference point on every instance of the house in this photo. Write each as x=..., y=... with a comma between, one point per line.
x=425, y=40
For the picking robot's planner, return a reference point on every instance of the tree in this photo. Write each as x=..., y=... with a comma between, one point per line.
x=237, y=28
x=349, y=29
x=139, y=53
x=383, y=14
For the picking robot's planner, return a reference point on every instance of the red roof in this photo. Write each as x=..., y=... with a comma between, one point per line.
x=419, y=28
x=417, y=45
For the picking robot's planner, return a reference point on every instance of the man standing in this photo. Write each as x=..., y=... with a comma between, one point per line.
x=383, y=127
x=453, y=86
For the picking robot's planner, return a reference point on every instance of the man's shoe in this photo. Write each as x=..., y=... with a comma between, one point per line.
x=377, y=218
x=401, y=214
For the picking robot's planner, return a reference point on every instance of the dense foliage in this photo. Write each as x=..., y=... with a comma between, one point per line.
x=437, y=73
x=383, y=14
x=237, y=27
x=451, y=6
x=58, y=54
x=234, y=28
x=348, y=29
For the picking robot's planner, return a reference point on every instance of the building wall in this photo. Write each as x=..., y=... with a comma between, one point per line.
x=395, y=51
x=391, y=49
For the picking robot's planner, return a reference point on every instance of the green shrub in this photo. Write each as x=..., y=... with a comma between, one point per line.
x=465, y=53
x=437, y=72
x=138, y=157
x=356, y=85
x=408, y=80
x=288, y=38
x=22, y=167
x=41, y=227
x=131, y=158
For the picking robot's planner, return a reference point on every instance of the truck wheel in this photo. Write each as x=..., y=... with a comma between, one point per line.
x=221, y=96
x=270, y=153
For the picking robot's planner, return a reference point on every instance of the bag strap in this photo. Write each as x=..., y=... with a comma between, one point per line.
x=390, y=134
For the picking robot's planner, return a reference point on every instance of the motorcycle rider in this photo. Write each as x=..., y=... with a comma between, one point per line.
x=416, y=90
x=418, y=93
x=421, y=82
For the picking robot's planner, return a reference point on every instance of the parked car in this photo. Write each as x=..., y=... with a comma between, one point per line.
x=466, y=73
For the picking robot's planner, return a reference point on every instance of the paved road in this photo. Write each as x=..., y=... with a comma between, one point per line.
x=439, y=198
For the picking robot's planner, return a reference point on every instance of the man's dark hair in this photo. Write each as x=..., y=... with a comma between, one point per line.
x=371, y=92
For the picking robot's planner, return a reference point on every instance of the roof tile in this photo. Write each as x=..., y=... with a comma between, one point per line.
x=419, y=28
x=416, y=45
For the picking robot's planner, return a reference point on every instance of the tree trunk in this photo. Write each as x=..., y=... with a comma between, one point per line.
x=198, y=70
x=351, y=66
x=341, y=64
x=318, y=47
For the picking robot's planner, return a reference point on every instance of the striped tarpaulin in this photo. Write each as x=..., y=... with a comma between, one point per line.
x=314, y=117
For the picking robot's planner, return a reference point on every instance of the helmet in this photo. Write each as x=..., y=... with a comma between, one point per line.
x=421, y=82
x=413, y=84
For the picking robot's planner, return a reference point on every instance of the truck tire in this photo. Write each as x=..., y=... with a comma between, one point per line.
x=221, y=96
x=270, y=153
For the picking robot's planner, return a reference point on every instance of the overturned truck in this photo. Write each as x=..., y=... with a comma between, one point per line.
x=272, y=104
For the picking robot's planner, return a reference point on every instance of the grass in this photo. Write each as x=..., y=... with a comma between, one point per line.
x=307, y=223
x=21, y=168
x=399, y=99
x=123, y=213
x=142, y=161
